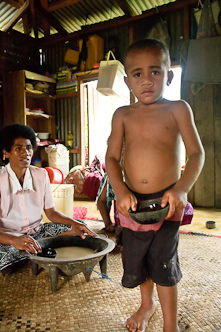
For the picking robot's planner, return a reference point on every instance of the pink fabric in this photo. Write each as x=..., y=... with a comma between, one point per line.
x=22, y=213
x=91, y=185
x=96, y=166
x=134, y=226
x=188, y=214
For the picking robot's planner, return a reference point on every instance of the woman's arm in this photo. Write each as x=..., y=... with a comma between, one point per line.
x=77, y=227
x=24, y=242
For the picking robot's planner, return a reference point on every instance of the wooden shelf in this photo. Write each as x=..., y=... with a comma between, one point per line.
x=88, y=72
x=67, y=95
x=17, y=98
x=38, y=77
x=37, y=95
x=74, y=150
x=37, y=115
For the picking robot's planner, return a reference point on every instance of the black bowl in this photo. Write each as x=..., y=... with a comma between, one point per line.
x=47, y=252
x=149, y=211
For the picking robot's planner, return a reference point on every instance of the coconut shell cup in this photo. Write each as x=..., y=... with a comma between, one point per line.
x=210, y=224
x=149, y=212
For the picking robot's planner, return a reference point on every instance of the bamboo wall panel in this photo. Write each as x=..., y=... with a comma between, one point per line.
x=206, y=107
x=204, y=117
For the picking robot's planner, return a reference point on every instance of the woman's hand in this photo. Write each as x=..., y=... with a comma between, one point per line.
x=26, y=243
x=79, y=229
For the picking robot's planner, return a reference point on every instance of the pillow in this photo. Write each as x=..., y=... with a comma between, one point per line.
x=91, y=185
x=77, y=178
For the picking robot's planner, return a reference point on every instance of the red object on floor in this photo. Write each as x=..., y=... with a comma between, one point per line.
x=55, y=175
x=79, y=212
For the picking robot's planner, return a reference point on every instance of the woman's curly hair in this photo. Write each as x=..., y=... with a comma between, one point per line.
x=10, y=133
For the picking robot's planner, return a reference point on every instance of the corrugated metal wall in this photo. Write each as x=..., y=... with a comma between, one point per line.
x=67, y=110
x=175, y=25
x=67, y=118
x=54, y=57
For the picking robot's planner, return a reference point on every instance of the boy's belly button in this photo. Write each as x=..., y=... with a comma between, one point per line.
x=144, y=181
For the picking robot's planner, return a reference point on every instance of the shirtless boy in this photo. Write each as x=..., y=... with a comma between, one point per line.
x=153, y=129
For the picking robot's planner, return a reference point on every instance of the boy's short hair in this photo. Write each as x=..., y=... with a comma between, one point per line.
x=10, y=133
x=148, y=44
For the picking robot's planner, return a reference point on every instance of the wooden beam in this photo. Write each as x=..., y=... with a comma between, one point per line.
x=115, y=23
x=25, y=24
x=186, y=23
x=124, y=6
x=18, y=5
x=50, y=18
x=46, y=25
x=20, y=36
x=24, y=18
x=12, y=3
x=34, y=19
x=61, y=4
x=21, y=11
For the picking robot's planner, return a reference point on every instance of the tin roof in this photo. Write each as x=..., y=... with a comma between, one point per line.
x=48, y=17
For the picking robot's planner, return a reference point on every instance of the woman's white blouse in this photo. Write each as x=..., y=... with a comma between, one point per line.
x=22, y=212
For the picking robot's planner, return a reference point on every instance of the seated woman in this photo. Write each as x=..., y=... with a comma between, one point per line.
x=24, y=192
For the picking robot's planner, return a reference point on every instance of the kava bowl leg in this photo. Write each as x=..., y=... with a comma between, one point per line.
x=53, y=277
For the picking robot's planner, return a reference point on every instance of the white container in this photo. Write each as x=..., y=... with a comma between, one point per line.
x=43, y=136
x=63, y=196
x=110, y=77
x=59, y=159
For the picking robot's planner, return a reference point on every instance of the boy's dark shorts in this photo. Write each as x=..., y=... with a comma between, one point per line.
x=151, y=255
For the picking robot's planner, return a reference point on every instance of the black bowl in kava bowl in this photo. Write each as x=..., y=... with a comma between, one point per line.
x=149, y=211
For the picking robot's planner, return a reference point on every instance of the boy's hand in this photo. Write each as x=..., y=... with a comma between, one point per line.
x=177, y=200
x=125, y=201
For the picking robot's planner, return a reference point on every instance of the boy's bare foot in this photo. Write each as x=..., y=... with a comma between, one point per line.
x=138, y=322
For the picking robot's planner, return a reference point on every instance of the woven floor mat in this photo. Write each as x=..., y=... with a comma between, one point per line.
x=100, y=305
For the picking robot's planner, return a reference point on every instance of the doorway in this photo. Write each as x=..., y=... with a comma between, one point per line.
x=98, y=112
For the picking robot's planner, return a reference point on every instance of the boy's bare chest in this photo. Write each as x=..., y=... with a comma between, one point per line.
x=154, y=125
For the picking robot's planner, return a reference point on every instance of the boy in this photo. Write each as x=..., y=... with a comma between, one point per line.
x=153, y=129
